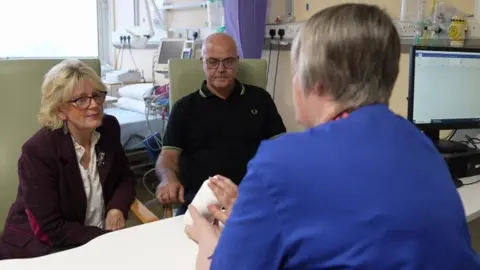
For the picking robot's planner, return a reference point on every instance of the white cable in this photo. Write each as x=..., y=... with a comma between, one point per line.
x=158, y=140
x=147, y=98
x=154, y=61
x=147, y=115
x=148, y=109
x=157, y=112
x=144, y=180
x=121, y=56
x=117, y=57
x=133, y=58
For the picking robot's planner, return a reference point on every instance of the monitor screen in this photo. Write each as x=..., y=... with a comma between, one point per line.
x=444, y=86
x=186, y=54
x=170, y=49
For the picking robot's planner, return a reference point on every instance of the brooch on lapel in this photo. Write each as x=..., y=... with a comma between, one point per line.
x=101, y=158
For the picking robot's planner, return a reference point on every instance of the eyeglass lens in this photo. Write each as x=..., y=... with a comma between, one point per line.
x=227, y=62
x=84, y=102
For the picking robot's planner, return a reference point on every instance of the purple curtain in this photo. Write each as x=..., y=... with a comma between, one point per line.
x=245, y=22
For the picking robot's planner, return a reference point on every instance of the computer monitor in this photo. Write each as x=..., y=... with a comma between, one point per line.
x=169, y=48
x=444, y=89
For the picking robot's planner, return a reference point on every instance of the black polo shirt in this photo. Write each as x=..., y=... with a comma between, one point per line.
x=218, y=136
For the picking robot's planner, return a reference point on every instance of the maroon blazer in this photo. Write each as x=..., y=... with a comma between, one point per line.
x=49, y=211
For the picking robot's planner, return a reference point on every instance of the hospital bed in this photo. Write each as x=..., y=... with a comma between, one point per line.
x=134, y=129
x=134, y=126
x=20, y=83
x=141, y=110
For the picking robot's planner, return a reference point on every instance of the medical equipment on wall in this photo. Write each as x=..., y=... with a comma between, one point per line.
x=444, y=26
x=123, y=76
x=188, y=49
x=442, y=14
x=168, y=48
x=457, y=31
x=138, y=39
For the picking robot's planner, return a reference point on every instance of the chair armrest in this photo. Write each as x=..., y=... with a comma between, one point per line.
x=167, y=211
x=142, y=212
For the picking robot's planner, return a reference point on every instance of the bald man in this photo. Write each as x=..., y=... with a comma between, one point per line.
x=215, y=130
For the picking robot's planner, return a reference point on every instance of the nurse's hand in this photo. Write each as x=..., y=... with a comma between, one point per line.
x=226, y=192
x=202, y=230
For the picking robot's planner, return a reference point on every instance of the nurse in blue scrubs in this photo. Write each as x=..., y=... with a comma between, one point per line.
x=360, y=188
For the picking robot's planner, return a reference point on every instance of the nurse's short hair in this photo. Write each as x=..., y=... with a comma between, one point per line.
x=352, y=50
x=58, y=87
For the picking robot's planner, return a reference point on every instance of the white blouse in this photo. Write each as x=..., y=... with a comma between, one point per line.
x=95, y=214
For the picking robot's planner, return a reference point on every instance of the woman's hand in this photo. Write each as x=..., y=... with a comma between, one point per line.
x=115, y=220
x=201, y=229
x=226, y=192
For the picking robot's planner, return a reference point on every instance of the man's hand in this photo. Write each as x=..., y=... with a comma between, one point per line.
x=169, y=192
x=226, y=192
x=114, y=220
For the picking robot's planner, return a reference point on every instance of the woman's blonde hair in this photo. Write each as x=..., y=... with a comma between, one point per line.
x=58, y=87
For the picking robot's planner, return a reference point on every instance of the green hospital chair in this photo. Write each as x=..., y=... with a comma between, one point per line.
x=186, y=76
x=20, y=86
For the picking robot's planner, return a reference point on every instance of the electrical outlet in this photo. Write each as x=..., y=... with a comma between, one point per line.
x=269, y=27
x=405, y=29
x=290, y=29
x=473, y=31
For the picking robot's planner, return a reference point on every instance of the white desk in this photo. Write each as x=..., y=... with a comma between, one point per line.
x=470, y=195
x=160, y=245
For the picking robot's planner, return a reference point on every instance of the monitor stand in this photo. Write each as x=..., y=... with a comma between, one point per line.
x=445, y=146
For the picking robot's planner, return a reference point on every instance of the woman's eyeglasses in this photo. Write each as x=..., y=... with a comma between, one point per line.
x=85, y=101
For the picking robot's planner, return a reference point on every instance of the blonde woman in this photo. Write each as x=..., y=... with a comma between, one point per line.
x=361, y=188
x=75, y=181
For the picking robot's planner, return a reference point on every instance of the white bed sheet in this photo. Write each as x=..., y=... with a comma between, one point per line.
x=134, y=126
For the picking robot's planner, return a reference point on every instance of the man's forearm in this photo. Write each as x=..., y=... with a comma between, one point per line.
x=166, y=170
x=167, y=174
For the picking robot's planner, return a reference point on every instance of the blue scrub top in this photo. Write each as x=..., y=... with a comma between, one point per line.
x=369, y=191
